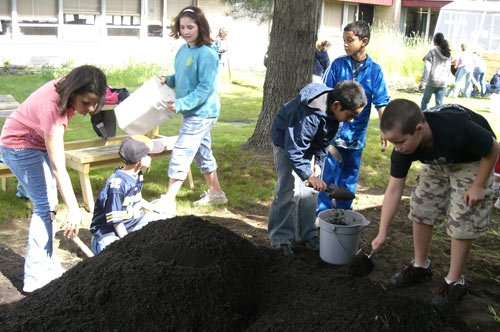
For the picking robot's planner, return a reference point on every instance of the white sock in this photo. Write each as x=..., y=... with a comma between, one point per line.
x=425, y=266
x=461, y=281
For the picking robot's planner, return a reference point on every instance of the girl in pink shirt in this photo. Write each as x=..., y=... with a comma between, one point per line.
x=32, y=145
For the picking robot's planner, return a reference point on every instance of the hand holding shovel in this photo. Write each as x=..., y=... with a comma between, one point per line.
x=362, y=264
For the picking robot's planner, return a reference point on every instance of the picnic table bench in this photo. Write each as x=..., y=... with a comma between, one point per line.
x=89, y=154
x=8, y=104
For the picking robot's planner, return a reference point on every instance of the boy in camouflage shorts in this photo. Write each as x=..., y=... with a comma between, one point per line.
x=460, y=150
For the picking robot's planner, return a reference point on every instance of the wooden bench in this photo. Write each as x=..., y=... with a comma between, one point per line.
x=8, y=104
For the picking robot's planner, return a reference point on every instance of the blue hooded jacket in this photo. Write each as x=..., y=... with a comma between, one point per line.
x=304, y=129
x=352, y=135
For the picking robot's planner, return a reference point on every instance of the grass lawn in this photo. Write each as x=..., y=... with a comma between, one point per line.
x=248, y=179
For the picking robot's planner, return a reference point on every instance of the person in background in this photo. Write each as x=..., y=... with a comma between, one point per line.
x=321, y=60
x=436, y=72
x=460, y=150
x=351, y=138
x=465, y=69
x=195, y=84
x=119, y=209
x=221, y=44
x=32, y=145
x=479, y=71
x=494, y=85
x=301, y=131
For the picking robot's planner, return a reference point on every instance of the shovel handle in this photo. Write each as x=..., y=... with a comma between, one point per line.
x=83, y=247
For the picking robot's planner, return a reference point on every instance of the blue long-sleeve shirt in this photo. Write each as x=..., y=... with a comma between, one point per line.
x=352, y=135
x=195, y=81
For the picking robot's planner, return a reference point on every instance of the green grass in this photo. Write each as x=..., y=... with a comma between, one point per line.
x=247, y=178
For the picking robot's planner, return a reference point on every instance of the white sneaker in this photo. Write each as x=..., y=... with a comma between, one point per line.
x=208, y=198
x=497, y=204
x=165, y=207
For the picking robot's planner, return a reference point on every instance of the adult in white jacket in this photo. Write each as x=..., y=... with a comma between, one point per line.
x=437, y=64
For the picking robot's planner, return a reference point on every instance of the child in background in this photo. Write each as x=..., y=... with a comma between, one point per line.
x=119, y=207
x=460, y=150
x=351, y=137
x=436, y=72
x=321, y=60
x=301, y=132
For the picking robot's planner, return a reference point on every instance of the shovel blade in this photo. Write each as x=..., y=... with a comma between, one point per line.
x=361, y=265
x=340, y=193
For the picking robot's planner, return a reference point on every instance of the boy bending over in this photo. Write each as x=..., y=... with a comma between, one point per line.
x=460, y=150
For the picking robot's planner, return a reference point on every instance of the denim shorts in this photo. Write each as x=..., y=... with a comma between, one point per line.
x=439, y=195
x=194, y=143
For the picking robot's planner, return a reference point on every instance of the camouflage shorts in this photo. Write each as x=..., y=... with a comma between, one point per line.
x=439, y=194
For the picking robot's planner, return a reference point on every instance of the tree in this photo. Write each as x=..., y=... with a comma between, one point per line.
x=290, y=58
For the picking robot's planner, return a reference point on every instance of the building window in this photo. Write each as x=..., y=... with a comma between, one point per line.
x=37, y=11
x=155, y=16
x=174, y=7
x=81, y=11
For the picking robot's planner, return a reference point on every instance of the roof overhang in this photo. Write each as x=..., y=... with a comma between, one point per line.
x=371, y=2
x=424, y=3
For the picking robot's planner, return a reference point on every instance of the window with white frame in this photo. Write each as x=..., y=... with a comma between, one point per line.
x=174, y=7
x=37, y=11
x=81, y=11
x=123, y=12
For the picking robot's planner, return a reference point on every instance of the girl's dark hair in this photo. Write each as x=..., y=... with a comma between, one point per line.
x=442, y=44
x=359, y=28
x=402, y=113
x=199, y=18
x=81, y=80
x=349, y=94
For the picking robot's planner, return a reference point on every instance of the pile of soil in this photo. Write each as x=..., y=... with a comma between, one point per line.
x=195, y=274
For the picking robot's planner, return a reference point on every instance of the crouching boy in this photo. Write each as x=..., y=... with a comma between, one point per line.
x=119, y=207
x=460, y=150
x=301, y=132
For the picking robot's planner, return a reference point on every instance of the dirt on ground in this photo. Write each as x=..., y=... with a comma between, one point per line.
x=217, y=272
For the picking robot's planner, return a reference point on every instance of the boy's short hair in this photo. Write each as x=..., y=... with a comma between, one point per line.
x=134, y=148
x=359, y=28
x=349, y=94
x=402, y=113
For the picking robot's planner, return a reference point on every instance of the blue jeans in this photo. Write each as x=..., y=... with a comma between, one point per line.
x=428, y=92
x=33, y=170
x=99, y=243
x=194, y=143
x=343, y=173
x=292, y=214
x=479, y=77
x=459, y=75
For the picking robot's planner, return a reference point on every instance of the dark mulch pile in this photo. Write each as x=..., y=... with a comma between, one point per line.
x=190, y=274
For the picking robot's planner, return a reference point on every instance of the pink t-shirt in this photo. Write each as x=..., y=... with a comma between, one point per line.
x=37, y=115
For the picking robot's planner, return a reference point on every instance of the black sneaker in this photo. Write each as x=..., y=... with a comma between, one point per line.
x=449, y=293
x=286, y=249
x=411, y=275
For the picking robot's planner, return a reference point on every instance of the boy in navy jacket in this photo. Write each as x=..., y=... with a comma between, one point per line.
x=301, y=133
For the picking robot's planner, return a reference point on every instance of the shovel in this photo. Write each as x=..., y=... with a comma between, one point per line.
x=336, y=192
x=361, y=265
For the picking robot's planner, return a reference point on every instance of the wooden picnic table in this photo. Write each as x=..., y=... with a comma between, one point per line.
x=7, y=105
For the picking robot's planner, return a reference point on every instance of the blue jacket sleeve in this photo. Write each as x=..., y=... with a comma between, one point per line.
x=380, y=94
x=297, y=141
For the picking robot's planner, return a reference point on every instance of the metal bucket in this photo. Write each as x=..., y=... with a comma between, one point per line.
x=339, y=235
